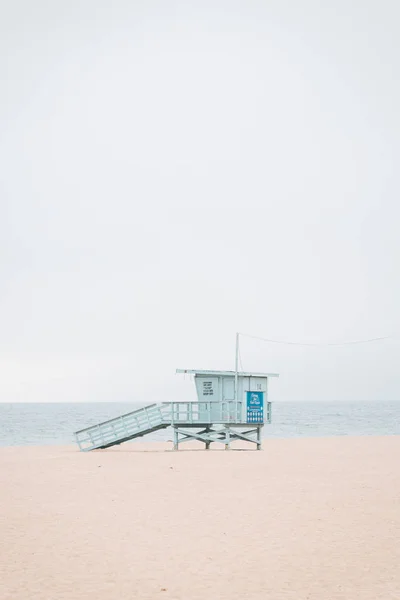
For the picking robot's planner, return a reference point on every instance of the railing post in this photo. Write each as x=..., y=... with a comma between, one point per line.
x=124, y=425
x=101, y=433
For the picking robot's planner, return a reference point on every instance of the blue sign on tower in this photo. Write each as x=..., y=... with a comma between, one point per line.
x=255, y=407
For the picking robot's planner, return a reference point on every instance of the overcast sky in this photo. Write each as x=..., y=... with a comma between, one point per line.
x=174, y=172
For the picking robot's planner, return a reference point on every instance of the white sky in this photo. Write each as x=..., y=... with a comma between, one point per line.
x=174, y=172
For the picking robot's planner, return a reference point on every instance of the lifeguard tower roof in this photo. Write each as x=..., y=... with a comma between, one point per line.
x=225, y=373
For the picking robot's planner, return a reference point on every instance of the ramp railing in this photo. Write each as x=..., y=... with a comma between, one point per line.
x=121, y=428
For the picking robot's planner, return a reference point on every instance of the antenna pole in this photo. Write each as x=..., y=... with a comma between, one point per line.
x=236, y=375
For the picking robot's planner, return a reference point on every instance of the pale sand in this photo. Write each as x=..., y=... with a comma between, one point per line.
x=316, y=519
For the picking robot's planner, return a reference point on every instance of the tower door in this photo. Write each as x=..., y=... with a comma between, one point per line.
x=228, y=391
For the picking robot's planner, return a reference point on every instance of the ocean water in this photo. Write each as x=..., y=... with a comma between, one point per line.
x=40, y=424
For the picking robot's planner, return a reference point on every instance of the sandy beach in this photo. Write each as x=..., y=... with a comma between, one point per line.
x=303, y=519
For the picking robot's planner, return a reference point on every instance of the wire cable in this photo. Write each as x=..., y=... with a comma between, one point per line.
x=347, y=343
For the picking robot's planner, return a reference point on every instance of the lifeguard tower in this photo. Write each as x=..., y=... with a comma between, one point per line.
x=230, y=406
x=228, y=402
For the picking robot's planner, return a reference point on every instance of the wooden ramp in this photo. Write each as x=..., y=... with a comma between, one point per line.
x=121, y=429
